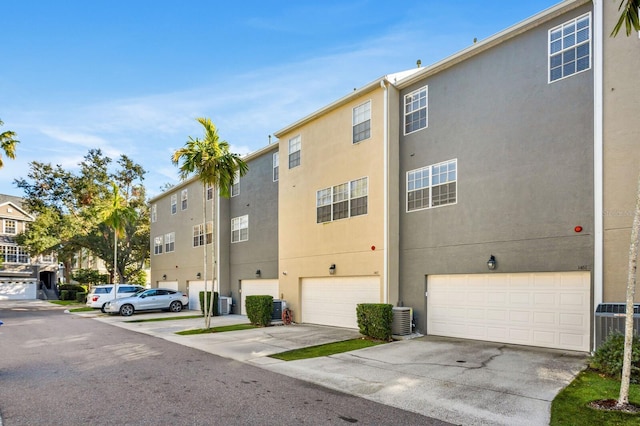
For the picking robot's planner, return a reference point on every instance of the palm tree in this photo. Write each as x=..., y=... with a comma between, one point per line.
x=8, y=144
x=117, y=215
x=216, y=167
x=628, y=17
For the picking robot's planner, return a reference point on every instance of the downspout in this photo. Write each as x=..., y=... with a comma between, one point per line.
x=385, y=160
x=598, y=156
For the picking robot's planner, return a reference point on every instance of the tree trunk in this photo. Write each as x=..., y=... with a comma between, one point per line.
x=204, y=240
x=631, y=288
x=214, y=241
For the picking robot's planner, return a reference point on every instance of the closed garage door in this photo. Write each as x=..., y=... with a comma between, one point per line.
x=173, y=285
x=257, y=288
x=195, y=287
x=332, y=301
x=539, y=309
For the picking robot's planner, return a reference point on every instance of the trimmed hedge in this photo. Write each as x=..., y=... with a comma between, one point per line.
x=608, y=358
x=215, y=302
x=374, y=320
x=259, y=309
x=69, y=291
x=81, y=297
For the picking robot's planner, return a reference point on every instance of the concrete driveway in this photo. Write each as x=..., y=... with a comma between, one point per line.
x=458, y=381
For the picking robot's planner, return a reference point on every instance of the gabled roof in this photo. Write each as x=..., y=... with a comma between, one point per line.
x=17, y=207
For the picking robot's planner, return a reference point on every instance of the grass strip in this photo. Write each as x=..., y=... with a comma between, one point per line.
x=184, y=317
x=235, y=327
x=570, y=406
x=326, y=349
x=67, y=303
x=84, y=309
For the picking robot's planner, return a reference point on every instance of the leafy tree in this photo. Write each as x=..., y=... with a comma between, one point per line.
x=216, y=167
x=69, y=209
x=89, y=276
x=628, y=17
x=8, y=144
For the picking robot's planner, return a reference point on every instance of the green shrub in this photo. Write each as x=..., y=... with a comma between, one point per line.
x=608, y=358
x=374, y=320
x=81, y=297
x=215, y=302
x=259, y=309
x=64, y=295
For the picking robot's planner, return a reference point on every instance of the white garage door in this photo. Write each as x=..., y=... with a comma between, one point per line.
x=173, y=285
x=332, y=301
x=195, y=287
x=258, y=288
x=538, y=309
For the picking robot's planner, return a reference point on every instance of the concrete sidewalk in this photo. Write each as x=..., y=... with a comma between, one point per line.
x=458, y=381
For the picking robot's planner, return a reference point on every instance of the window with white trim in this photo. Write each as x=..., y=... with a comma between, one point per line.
x=415, y=110
x=10, y=227
x=169, y=242
x=183, y=199
x=342, y=201
x=240, y=229
x=295, y=146
x=202, y=232
x=276, y=166
x=362, y=122
x=174, y=203
x=432, y=186
x=209, y=192
x=154, y=213
x=570, y=48
x=235, y=185
x=14, y=254
x=157, y=245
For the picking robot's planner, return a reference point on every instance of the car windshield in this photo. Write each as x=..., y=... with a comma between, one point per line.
x=137, y=293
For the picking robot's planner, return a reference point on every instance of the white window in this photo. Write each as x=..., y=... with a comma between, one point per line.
x=10, y=227
x=209, y=192
x=362, y=122
x=157, y=245
x=415, y=110
x=199, y=234
x=183, y=199
x=432, y=186
x=276, y=166
x=342, y=201
x=570, y=48
x=235, y=185
x=174, y=203
x=295, y=145
x=169, y=242
x=47, y=258
x=240, y=229
x=14, y=254
x=154, y=213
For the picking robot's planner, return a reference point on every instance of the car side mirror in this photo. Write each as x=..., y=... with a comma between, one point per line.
x=142, y=296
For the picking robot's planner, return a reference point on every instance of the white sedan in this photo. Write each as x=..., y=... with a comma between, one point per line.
x=148, y=300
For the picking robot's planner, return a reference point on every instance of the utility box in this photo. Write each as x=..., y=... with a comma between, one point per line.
x=278, y=306
x=402, y=319
x=610, y=318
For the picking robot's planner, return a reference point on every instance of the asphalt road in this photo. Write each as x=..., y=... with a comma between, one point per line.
x=61, y=369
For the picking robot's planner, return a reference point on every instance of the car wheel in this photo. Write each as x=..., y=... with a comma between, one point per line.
x=102, y=308
x=126, y=310
x=175, y=306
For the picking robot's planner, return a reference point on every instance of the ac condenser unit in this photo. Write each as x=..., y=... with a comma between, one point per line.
x=278, y=307
x=401, y=325
x=224, y=305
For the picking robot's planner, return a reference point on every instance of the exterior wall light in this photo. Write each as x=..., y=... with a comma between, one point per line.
x=332, y=269
x=491, y=263
x=198, y=275
x=164, y=277
x=258, y=273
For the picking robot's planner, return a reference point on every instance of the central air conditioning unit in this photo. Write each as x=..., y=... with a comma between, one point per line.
x=401, y=324
x=224, y=305
x=278, y=306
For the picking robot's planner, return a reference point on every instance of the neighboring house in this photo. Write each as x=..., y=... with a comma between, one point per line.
x=492, y=192
x=244, y=237
x=21, y=274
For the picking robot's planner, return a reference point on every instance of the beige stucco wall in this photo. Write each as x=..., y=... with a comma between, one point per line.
x=328, y=157
x=621, y=151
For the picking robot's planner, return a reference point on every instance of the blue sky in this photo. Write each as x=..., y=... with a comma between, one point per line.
x=130, y=77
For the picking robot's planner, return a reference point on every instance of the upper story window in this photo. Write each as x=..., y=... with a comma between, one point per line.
x=209, y=192
x=432, y=186
x=295, y=145
x=235, y=186
x=342, y=201
x=183, y=199
x=157, y=245
x=202, y=232
x=240, y=229
x=276, y=166
x=154, y=213
x=174, y=203
x=362, y=122
x=14, y=254
x=10, y=227
x=415, y=110
x=170, y=242
x=570, y=48
x=47, y=258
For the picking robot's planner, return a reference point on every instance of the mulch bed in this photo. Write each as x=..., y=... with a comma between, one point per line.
x=611, y=405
